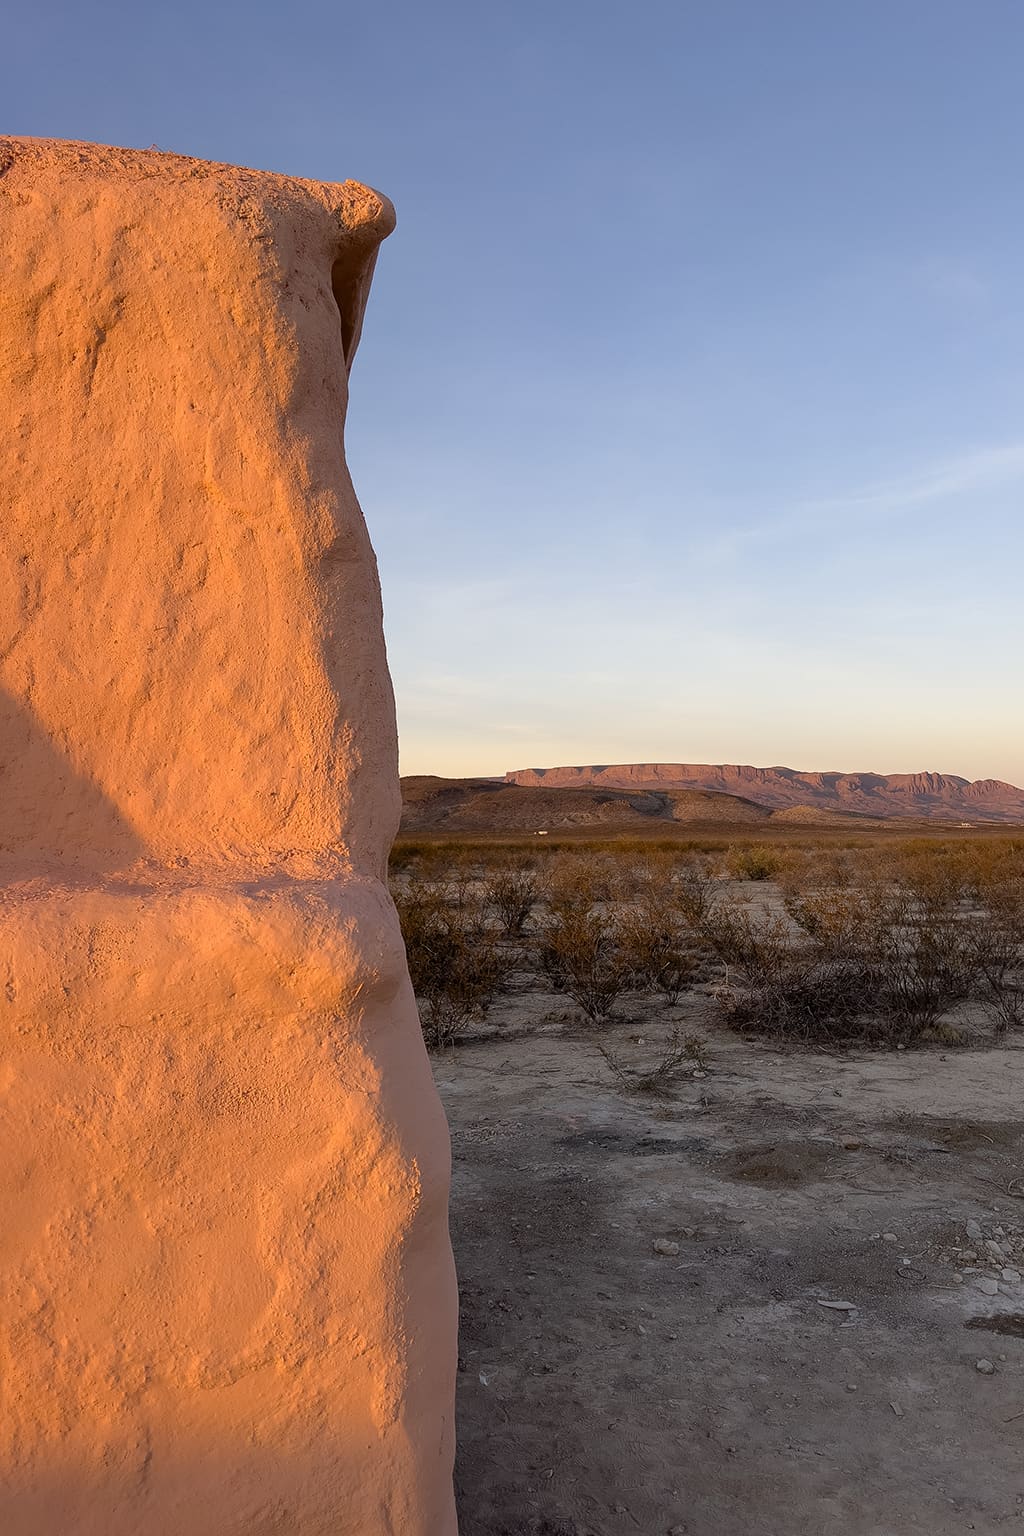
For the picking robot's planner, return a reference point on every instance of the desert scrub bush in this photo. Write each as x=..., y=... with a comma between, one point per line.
x=455, y=964
x=997, y=945
x=814, y=869
x=905, y=947
x=512, y=893
x=656, y=948
x=862, y=963
x=580, y=952
x=695, y=889
x=652, y=869
x=783, y=985
x=750, y=862
x=583, y=880
x=682, y=1055
x=925, y=969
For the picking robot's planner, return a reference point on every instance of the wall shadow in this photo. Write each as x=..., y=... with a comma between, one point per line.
x=50, y=811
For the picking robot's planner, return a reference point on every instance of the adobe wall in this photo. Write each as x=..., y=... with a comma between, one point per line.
x=227, y=1300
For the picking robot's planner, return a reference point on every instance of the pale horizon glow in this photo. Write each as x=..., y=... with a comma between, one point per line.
x=688, y=415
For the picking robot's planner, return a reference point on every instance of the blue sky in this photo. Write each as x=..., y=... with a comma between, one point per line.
x=689, y=416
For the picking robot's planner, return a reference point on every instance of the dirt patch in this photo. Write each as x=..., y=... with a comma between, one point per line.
x=777, y=1164
x=607, y=1387
x=972, y=1135
x=1010, y=1324
x=647, y=1145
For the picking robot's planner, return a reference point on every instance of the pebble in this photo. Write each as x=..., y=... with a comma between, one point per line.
x=974, y=1232
x=851, y=1143
x=698, y=1073
x=889, y=1237
x=984, y=1367
x=995, y=1249
x=1011, y=1276
x=665, y=1245
x=987, y=1286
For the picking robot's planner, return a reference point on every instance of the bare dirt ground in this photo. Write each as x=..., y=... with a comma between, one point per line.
x=606, y=1387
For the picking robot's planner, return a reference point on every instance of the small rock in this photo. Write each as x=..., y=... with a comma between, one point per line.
x=665, y=1245
x=995, y=1249
x=889, y=1237
x=689, y=1231
x=974, y=1232
x=984, y=1367
x=851, y=1386
x=1011, y=1276
x=987, y=1286
x=897, y=1410
x=851, y=1143
x=699, y=1073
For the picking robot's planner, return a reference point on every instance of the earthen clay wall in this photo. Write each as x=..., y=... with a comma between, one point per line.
x=226, y=1293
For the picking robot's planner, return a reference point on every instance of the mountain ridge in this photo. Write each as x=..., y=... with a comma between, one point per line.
x=926, y=795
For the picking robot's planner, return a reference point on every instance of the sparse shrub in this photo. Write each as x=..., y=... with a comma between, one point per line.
x=865, y=963
x=695, y=889
x=926, y=970
x=512, y=892
x=576, y=880
x=455, y=965
x=747, y=862
x=785, y=986
x=655, y=949
x=581, y=953
x=997, y=947
x=682, y=1055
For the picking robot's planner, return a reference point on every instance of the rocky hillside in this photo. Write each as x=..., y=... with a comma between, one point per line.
x=917, y=796
x=432, y=804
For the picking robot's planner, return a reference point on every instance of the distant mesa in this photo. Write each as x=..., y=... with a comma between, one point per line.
x=797, y=795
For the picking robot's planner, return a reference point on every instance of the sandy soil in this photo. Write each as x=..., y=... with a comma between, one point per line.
x=605, y=1387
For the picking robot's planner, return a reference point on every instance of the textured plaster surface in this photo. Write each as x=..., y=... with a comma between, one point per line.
x=227, y=1301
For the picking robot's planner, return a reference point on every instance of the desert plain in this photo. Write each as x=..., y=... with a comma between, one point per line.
x=724, y=1272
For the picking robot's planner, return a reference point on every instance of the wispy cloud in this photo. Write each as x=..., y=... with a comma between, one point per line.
x=981, y=469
